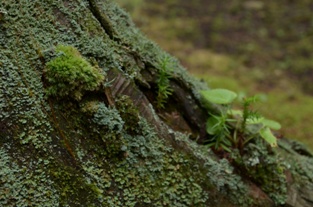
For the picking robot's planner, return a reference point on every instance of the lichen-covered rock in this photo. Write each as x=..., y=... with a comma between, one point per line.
x=104, y=142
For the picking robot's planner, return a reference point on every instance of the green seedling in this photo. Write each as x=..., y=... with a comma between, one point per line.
x=236, y=128
x=219, y=128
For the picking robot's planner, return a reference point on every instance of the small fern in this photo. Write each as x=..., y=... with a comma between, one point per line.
x=248, y=113
x=218, y=127
x=163, y=81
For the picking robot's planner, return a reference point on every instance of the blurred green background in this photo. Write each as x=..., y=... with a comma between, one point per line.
x=250, y=47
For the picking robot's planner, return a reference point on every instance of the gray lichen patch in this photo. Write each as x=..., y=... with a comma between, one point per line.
x=26, y=184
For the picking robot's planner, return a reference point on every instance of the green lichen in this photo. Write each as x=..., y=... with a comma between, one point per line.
x=109, y=125
x=129, y=113
x=148, y=164
x=220, y=173
x=25, y=185
x=109, y=118
x=265, y=168
x=298, y=160
x=2, y=14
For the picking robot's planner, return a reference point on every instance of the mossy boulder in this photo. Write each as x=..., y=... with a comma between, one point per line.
x=80, y=126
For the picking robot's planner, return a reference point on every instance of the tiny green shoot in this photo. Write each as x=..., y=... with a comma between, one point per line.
x=163, y=81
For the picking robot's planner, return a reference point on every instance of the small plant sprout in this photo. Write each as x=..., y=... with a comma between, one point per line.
x=218, y=125
x=219, y=128
x=163, y=81
x=235, y=128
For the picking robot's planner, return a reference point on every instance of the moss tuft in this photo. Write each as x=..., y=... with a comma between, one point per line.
x=69, y=74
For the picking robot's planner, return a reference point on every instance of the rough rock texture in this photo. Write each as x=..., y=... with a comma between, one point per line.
x=113, y=146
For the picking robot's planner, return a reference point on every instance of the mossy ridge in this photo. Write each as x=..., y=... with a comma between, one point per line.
x=27, y=63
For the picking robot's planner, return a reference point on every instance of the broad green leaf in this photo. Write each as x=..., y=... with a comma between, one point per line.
x=268, y=136
x=271, y=124
x=219, y=96
x=212, y=125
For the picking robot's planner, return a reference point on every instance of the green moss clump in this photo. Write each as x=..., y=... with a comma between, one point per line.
x=69, y=74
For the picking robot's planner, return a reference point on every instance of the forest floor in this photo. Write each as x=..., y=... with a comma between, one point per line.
x=250, y=47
